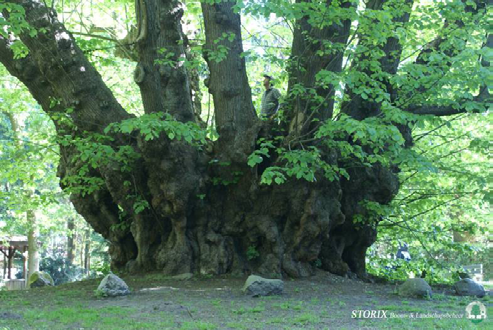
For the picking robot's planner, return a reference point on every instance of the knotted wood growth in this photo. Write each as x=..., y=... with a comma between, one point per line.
x=180, y=208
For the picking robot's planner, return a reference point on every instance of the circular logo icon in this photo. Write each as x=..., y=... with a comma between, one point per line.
x=476, y=312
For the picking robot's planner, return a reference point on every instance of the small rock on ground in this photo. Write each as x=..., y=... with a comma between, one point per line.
x=113, y=286
x=468, y=287
x=415, y=287
x=39, y=279
x=258, y=286
x=9, y=316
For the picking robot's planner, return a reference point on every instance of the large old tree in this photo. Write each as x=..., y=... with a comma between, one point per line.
x=273, y=197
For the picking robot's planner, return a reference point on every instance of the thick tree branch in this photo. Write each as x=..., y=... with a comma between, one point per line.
x=482, y=97
x=318, y=47
x=435, y=110
x=26, y=70
x=160, y=73
x=228, y=83
x=99, y=208
x=73, y=80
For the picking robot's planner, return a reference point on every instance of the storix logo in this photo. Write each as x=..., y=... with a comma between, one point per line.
x=369, y=314
x=476, y=312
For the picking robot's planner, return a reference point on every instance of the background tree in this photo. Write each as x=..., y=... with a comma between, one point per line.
x=31, y=202
x=261, y=197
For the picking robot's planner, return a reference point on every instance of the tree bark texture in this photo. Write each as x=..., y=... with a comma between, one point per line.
x=317, y=47
x=87, y=251
x=207, y=212
x=235, y=116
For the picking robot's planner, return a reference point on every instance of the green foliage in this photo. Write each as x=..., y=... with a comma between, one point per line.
x=439, y=202
x=219, y=54
x=252, y=253
x=16, y=22
x=258, y=155
x=59, y=267
x=140, y=205
x=150, y=126
x=100, y=294
x=167, y=58
x=96, y=150
x=299, y=164
x=372, y=141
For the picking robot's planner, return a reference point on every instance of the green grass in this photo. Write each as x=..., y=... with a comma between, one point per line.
x=237, y=325
x=305, y=319
x=402, y=308
x=198, y=325
x=110, y=317
x=290, y=305
x=445, y=324
x=250, y=310
x=276, y=320
x=86, y=317
x=216, y=303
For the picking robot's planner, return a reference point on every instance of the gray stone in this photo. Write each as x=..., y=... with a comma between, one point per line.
x=468, y=287
x=39, y=279
x=415, y=287
x=182, y=277
x=113, y=286
x=259, y=286
x=9, y=316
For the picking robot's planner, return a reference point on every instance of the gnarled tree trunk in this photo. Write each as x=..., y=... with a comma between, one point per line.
x=192, y=223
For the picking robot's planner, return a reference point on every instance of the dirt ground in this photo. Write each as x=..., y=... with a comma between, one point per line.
x=324, y=301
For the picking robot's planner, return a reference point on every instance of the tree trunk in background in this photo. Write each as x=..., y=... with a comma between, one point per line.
x=5, y=262
x=87, y=251
x=206, y=209
x=70, y=240
x=32, y=244
x=81, y=254
x=9, y=263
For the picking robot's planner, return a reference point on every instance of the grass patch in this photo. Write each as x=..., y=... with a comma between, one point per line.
x=445, y=324
x=250, y=310
x=289, y=305
x=85, y=317
x=305, y=319
x=236, y=325
x=402, y=308
x=276, y=320
x=198, y=325
x=216, y=302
